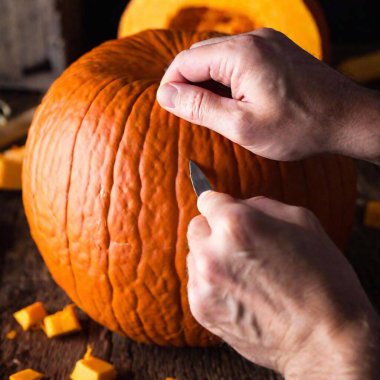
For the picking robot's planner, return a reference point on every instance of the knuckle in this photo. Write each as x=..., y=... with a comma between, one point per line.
x=231, y=219
x=198, y=307
x=209, y=269
x=178, y=59
x=249, y=39
x=195, y=226
x=267, y=33
x=304, y=216
x=181, y=55
x=199, y=302
x=253, y=43
x=241, y=127
x=195, y=106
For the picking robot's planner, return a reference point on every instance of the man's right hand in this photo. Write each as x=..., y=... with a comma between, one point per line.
x=266, y=278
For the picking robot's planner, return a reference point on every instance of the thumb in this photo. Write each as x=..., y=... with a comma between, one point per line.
x=201, y=106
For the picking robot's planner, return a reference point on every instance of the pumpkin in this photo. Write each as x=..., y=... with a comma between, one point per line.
x=107, y=193
x=301, y=20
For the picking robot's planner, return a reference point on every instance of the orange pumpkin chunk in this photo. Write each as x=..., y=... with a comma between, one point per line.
x=11, y=334
x=62, y=322
x=31, y=315
x=10, y=168
x=372, y=214
x=27, y=374
x=92, y=368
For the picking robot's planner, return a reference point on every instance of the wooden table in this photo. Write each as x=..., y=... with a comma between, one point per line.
x=25, y=279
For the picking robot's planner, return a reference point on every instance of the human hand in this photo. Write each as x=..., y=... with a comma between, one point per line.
x=285, y=103
x=266, y=278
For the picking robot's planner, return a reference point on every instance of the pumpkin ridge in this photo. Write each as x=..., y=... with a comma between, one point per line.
x=306, y=185
x=112, y=168
x=183, y=302
x=171, y=52
x=69, y=184
x=133, y=104
x=235, y=160
x=177, y=332
x=32, y=141
x=344, y=197
x=39, y=114
x=328, y=185
x=158, y=334
x=138, y=269
x=158, y=53
x=238, y=168
x=350, y=171
x=261, y=171
x=122, y=81
x=341, y=190
x=281, y=182
x=181, y=331
x=340, y=199
x=126, y=117
x=137, y=236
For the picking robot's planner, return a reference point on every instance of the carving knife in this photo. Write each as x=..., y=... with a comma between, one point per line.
x=198, y=179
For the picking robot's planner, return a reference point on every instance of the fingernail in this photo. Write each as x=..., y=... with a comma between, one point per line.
x=166, y=95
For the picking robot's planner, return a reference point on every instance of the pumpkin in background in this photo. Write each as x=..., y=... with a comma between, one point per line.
x=108, y=197
x=301, y=20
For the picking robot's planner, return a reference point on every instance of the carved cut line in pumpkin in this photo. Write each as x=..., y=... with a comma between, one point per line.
x=108, y=197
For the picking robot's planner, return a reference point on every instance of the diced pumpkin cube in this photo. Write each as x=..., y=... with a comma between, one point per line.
x=372, y=214
x=31, y=315
x=10, y=168
x=11, y=334
x=27, y=374
x=92, y=368
x=62, y=322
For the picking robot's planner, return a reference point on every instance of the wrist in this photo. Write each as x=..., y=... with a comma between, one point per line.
x=351, y=352
x=358, y=132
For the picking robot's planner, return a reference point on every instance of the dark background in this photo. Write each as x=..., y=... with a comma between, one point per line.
x=349, y=21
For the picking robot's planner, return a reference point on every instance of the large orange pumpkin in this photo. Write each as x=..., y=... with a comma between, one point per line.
x=107, y=193
x=301, y=20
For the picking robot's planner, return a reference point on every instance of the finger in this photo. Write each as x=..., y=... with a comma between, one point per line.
x=203, y=107
x=198, y=230
x=270, y=207
x=284, y=212
x=203, y=63
x=262, y=32
x=215, y=59
x=196, y=282
x=211, y=41
x=211, y=204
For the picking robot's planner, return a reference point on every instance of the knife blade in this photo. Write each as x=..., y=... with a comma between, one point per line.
x=198, y=179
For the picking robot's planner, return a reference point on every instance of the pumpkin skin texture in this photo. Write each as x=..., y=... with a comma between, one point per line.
x=301, y=20
x=107, y=193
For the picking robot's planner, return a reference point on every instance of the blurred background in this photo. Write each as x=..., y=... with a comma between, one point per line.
x=39, y=38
